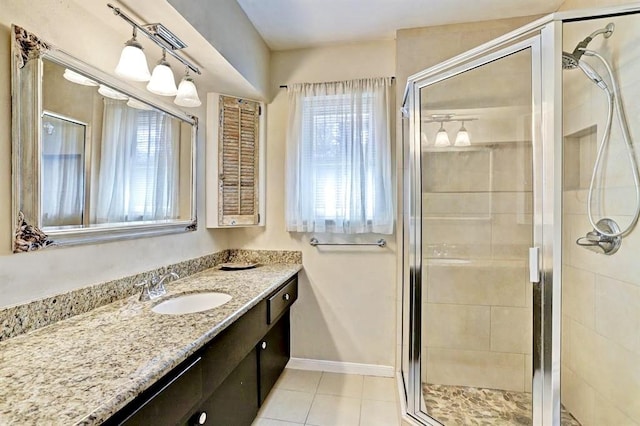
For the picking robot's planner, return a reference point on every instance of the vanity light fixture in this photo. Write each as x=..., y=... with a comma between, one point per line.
x=442, y=138
x=187, y=93
x=162, y=81
x=462, y=138
x=133, y=64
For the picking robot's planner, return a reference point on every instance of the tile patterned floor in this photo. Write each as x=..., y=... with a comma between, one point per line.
x=302, y=397
x=462, y=406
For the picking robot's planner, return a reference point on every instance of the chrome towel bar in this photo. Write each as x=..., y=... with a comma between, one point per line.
x=380, y=243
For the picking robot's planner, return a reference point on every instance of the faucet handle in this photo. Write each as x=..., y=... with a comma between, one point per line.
x=145, y=294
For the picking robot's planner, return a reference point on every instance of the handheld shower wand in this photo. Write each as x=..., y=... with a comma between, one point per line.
x=606, y=236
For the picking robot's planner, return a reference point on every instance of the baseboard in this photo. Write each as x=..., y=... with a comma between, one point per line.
x=341, y=367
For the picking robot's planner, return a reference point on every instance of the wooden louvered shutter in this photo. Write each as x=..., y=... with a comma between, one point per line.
x=238, y=161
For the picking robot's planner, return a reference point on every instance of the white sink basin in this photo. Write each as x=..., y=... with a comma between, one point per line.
x=190, y=303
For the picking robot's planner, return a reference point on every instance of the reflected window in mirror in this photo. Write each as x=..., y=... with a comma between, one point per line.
x=63, y=170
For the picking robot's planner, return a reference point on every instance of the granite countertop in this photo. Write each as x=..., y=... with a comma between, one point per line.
x=84, y=369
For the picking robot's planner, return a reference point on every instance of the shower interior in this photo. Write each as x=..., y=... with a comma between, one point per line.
x=477, y=222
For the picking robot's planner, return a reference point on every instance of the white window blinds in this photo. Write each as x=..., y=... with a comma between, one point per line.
x=339, y=157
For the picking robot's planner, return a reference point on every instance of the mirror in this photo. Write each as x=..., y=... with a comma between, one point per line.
x=94, y=159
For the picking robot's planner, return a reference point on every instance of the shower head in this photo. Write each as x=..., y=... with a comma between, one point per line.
x=580, y=47
x=569, y=62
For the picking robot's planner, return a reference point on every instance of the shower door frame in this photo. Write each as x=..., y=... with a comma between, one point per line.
x=546, y=212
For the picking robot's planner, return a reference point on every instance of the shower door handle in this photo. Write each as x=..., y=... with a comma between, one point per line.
x=534, y=264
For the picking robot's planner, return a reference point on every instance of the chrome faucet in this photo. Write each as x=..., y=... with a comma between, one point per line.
x=155, y=287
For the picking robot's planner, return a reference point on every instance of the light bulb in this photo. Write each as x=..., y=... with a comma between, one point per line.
x=442, y=138
x=462, y=138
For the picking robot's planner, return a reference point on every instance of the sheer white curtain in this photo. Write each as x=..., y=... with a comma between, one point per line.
x=139, y=165
x=338, y=176
x=62, y=171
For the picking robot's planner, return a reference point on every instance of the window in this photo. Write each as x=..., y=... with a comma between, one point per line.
x=139, y=168
x=339, y=158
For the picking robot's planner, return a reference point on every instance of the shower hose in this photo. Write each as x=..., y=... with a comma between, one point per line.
x=615, y=102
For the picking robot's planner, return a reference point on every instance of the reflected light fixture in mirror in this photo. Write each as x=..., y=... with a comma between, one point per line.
x=162, y=80
x=108, y=92
x=74, y=77
x=187, y=93
x=134, y=103
x=133, y=63
x=462, y=138
x=424, y=141
x=442, y=138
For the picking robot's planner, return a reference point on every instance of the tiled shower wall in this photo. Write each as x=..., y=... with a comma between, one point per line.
x=476, y=231
x=600, y=294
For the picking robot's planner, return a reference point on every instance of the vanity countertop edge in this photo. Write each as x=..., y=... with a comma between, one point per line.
x=84, y=369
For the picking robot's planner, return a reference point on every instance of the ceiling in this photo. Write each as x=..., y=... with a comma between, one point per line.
x=290, y=24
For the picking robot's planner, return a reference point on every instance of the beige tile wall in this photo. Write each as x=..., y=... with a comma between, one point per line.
x=600, y=294
x=477, y=308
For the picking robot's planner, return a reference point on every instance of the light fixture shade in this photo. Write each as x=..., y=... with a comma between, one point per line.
x=108, y=92
x=74, y=77
x=442, y=138
x=424, y=142
x=462, y=138
x=134, y=103
x=133, y=64
x=187, y=94
x=162, y=81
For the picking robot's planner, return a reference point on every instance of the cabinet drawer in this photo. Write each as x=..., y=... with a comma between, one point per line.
x=282, y=300
x=173, y=401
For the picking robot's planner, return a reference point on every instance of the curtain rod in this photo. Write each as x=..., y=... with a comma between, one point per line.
x=284, y=86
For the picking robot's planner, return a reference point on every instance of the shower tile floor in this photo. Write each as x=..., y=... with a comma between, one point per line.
x=463, y=406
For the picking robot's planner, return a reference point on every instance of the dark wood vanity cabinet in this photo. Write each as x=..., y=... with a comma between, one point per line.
x=273, y=351
x=227, y=380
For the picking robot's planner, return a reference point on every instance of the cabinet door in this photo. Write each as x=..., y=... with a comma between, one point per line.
x=273, y=354
x=238, y=161
x=235, y=402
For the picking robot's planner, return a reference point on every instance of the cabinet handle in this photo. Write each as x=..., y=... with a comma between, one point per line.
x=264, y=345
x=286, y=296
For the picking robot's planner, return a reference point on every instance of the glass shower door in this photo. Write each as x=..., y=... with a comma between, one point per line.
x=473, y=225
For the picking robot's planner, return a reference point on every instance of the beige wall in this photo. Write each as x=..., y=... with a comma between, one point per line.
x=600, y=294
x=225, y=25
x=346, y=310
x=96, y=36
